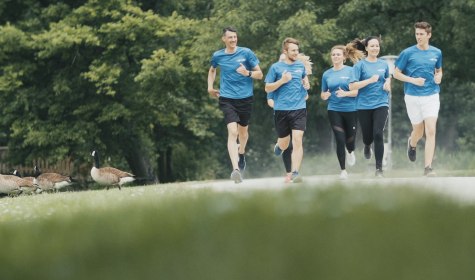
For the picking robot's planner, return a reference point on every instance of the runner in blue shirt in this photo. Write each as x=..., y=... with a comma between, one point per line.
x=239, y=66
x=373, y=85
x=420, y=68
x=284, y=79
x=341, y=104
x=287, y=153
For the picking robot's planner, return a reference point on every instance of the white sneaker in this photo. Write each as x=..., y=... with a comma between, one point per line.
x=350, y=157
x=236, y=176
x=343, y=175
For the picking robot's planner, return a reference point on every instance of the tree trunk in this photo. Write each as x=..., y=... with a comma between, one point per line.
x=165, y=168
x=139, y=162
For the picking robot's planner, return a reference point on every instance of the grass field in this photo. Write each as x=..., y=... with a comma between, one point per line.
x=175, y=232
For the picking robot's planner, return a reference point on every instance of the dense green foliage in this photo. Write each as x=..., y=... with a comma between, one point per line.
x=174, y=232
x=129, y=77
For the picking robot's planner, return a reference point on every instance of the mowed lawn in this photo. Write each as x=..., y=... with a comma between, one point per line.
x=172, y=231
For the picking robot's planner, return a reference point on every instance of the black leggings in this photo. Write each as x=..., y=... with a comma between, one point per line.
x=287, y=157
x=344, y=127
x=372, y=124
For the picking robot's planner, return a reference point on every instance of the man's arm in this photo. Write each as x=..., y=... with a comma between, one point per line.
x=438, y=76
x=286, y=77
x=255, y=73
x=211, y=77
x=404, y=78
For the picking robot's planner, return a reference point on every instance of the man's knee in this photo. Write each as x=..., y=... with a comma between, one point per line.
x=430, y=132
x=297, y=142
x=430, y=127
x=233, y=130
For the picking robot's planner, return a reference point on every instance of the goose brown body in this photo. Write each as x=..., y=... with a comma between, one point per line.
x=28, y=189
x=109, y=176
x=10, y=184
x=51, y=180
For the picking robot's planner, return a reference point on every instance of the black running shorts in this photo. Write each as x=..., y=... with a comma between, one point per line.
x=286, y=121
x=236, y=110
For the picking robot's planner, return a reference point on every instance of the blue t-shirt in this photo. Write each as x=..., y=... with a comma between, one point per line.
x=417, y=63
x=373, y=95
x=289, y=96
x=332, y=80
x=270, y=95
x=232, y=84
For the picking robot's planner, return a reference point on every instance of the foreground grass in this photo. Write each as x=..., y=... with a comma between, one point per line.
x=172, y=232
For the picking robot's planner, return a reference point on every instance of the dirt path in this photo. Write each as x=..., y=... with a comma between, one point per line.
x=461, y=188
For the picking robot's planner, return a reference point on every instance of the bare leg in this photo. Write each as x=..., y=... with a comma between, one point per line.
x=297, y=153
x=243, y=134
x=417, y=133
x=232, y=144
x=283, y=142
x=430, y=129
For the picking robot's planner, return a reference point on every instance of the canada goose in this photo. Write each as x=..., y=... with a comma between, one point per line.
x=51, y=181
x=28, y=189
x=109, y=176
x=11, y=184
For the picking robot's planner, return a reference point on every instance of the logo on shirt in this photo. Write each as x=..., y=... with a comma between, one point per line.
x=344, y=77
x=381, y=70
x=433, y=59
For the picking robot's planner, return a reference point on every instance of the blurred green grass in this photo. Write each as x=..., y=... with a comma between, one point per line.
x=174, y=232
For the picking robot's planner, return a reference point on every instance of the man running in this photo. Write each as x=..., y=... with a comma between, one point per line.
x=420, y=68
x=239, y=67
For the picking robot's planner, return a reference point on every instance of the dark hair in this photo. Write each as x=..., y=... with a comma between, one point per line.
x=362, y=44
x=230, y=29
x=423, y=25
x=288, y=41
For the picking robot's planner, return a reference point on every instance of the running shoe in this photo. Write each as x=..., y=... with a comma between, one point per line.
x=367, y=151
x=343, y=175
x=242, y=162
x=296, y=178
x=429, y=172
x=411, y=151
x=379, y=173
x=236, y=176
x=350, y=158
x=277, y=150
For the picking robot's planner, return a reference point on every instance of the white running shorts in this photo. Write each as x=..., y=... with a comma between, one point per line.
x=420, y=108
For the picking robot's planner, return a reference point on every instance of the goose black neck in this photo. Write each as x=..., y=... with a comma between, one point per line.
x=37, y=172
x=96, y=160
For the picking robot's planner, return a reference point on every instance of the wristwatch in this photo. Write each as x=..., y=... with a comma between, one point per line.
x=250, y=74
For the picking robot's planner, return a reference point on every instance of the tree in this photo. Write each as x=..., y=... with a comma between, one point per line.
x=86, y=82
x=129, y=77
